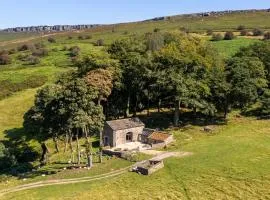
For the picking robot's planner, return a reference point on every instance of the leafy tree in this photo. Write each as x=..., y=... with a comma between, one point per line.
x=247, y=77
x=265, y=101
x=65, y=108
x=260, y=50
x=183, y=64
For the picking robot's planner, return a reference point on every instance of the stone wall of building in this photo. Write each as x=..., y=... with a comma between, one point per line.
x=120, y=135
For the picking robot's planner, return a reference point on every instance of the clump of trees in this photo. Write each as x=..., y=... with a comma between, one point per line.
x=158, y=70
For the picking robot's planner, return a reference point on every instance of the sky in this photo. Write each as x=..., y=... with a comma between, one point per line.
x=15, y=13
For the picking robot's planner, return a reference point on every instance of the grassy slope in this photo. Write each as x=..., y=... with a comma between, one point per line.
x=223, y=165
x=13, y=108
x=231, y=163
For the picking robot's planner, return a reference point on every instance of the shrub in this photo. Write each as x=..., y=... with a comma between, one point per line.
x=244, y=33
x=5, y=59
x=40, y=52
x=74, y=51
x=65, y=48
x=156, y=30
x=70, y=37
x=25, y=47
x=7, y=87
x=267, y=36
x=209, y=32
x=32, y=60
x=217, y=37
x=39, y=45
x=125, y=32
x=80, y=37
x=22, y=57
x=88, y=37
x=241, y=28
x=184, y=29
x=229, y=35
x=51, y=40
x=257, y=32
x=100, y=42
x=11, y=51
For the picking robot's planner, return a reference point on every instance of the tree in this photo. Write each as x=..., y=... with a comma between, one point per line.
x=183, y=64
x=67, y=107
x=247, y=77
x=265, y=101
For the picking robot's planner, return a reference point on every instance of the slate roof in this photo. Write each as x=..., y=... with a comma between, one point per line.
x=122, y=124
x=159, y=136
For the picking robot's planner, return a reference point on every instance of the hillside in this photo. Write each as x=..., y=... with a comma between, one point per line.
x=230, y=162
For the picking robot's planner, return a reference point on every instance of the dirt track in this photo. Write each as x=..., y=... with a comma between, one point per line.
x=159, y=155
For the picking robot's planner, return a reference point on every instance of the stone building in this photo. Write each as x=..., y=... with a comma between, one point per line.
x=122, y=131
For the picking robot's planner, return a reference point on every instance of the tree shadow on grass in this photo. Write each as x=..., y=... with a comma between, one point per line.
x=164, y=120
x=20, y=152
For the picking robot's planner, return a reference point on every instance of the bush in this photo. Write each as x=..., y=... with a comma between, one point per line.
x=267, y=36
x=40, y=52
x=5, y=59
x=32, y=60
x=257, y=32
x=70, y=37
x=156, y=30
x=80, y=37
x=65, y=48
x=74, y=51
x=25, y=47
x=39, y=45
x=217, y=37
x=241, y=28
x=244, y=33
x=209, y=32
x=22, y=57
x=229, y=35
x=51, y=40
x=88, y=37
x=11, y=51
x=7, y=87
x=100, y=42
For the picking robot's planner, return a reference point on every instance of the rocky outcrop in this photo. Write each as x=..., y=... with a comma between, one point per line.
x=55, y=28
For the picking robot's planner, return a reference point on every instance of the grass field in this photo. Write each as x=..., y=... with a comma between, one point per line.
x=228, y=48
x=230, y=163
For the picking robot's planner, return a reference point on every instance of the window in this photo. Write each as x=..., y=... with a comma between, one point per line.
x=129, y=137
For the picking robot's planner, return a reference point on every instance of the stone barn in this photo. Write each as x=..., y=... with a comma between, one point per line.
x=122, y=131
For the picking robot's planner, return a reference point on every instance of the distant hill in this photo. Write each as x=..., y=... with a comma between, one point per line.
x=202, y=15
